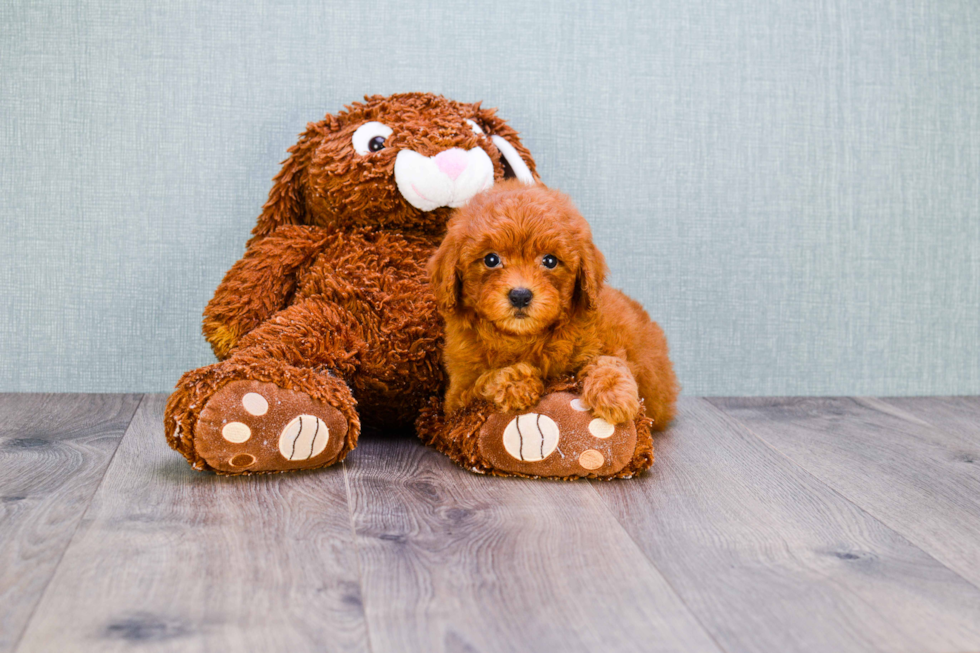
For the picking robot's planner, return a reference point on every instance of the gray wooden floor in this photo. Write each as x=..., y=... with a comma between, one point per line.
x=770, y=525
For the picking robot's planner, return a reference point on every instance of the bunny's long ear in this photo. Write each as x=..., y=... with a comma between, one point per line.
x=516, y=158
x=286, y=204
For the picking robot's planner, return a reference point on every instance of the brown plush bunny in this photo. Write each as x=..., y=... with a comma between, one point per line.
x=329, y=309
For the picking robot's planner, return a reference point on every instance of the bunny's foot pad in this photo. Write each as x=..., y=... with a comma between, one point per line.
x=558, y=438
x=251, y=426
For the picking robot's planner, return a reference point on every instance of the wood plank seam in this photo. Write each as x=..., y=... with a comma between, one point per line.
x=887, y=408
x=882, y=404
x=881, y=520
x=88, y=504
x=639, y=548
x=357, y=556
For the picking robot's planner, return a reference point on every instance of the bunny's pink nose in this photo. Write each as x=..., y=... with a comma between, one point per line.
x=451, y=162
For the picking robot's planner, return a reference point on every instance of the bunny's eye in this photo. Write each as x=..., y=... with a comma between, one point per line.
x=549, y=261
x=370, y=137
x=491, y=260
x=475, y=127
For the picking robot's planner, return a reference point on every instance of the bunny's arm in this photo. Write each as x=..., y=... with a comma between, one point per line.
x=259, y=284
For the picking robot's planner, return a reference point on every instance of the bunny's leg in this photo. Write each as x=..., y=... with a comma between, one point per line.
x=279, y=402
x=559, y=437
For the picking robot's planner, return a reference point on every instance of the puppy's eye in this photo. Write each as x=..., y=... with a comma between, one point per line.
x=549, y=261
x=491, y=260
x=475, y=127
x=370, y=137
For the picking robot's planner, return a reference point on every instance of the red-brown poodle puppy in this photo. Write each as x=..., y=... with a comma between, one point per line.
x=520, y=285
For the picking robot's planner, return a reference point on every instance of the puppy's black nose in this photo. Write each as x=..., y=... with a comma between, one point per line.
x=520, y=297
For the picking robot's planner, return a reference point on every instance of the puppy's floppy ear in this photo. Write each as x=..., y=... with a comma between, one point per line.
x=591, y=275
x=444, y=274
x=286, y=204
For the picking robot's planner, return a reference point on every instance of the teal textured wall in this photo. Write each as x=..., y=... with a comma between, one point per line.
x=791, y=187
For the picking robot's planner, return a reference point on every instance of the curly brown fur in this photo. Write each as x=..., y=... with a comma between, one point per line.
x=518, y=239
x=331, y=297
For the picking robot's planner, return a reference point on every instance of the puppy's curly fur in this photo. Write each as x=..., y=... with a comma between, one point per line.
x=505, y=346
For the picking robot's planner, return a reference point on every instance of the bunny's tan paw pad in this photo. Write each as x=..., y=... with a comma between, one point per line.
x=557, y=438
x=250, y=426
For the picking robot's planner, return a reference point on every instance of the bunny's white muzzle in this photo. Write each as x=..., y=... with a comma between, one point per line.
x=449, y=178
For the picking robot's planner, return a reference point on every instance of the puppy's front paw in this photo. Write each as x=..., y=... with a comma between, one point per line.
x=513, y=388
x=610, y=390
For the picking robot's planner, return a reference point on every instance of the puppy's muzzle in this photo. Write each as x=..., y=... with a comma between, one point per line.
x=520, y=297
